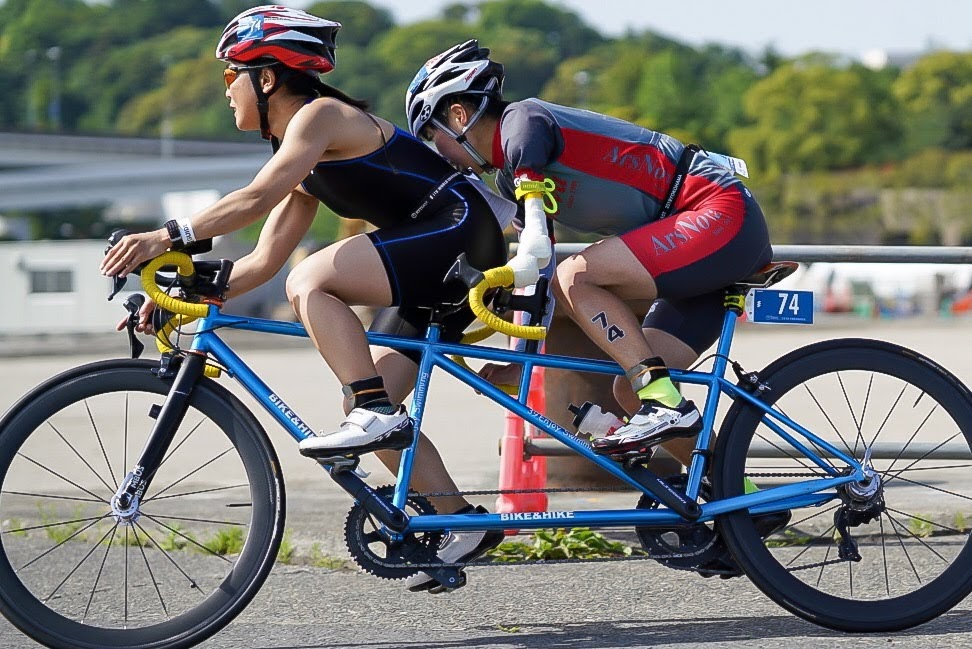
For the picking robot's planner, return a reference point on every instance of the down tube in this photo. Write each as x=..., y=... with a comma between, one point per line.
x=292, y=423
x=509, y=403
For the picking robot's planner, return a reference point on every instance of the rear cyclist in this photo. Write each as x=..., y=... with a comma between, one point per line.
x=329, y=150
x=679, y=227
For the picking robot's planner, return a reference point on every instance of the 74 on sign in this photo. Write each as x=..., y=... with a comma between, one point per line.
x=765, y=305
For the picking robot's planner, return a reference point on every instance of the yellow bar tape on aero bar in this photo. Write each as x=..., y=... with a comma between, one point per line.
x=539, y=189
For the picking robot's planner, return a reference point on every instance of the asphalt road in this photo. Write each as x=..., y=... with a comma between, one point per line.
x=630, y=604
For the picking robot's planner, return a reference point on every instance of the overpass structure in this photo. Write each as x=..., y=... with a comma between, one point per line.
x=55, y=171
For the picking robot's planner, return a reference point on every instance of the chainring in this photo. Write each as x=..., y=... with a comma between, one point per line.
x=688, y=547
x=371, y=548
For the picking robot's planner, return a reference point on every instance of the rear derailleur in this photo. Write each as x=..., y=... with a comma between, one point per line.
x=861, y=503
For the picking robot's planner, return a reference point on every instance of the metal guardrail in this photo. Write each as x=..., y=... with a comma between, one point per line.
x=831, y=254
x=851, y=254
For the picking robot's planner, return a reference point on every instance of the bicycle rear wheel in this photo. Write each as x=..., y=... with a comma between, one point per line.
x=917, y=420
x=205, y=537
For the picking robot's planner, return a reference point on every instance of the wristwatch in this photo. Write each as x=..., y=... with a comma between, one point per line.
x=175, y=236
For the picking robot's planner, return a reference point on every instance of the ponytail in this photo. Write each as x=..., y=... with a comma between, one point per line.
x=310, y=86
x=324, y=90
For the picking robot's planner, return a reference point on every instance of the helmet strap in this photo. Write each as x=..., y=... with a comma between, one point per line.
x=463, y=139
x=263, y=100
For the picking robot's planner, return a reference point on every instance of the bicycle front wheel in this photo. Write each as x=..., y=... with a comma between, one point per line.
x=916, y=420
x=73, y=573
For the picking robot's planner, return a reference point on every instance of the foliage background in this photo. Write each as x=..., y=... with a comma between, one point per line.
x=838, y=152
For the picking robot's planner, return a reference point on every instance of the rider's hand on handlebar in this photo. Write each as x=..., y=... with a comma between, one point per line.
x=144, y=325
x=134, y=249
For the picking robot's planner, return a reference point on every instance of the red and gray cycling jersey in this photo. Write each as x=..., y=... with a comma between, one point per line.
x=611, y=176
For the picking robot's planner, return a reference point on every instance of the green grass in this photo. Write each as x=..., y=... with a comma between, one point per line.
x=576, y=543
x=319, y=559
x=228, y=540
x=285, y=554
x=59, y=533
x=787, y=538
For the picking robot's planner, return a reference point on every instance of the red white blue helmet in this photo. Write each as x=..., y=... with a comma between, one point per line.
x=291, y=37
x=463, y=69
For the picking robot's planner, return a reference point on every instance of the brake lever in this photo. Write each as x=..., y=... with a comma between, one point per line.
x=134, y=304
x=117, y=281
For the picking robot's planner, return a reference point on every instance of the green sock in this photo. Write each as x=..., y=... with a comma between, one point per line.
x=749, y=487
x=663, y=391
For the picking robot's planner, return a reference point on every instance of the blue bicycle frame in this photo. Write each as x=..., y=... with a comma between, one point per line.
x=435, y=354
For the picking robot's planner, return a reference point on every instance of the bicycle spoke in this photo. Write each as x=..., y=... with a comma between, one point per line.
x=184, y=440
x=167, y=555
x=912, y=438
x=887, y=417
x=830, y=421
x=80, y=457
x=850, y=407
x=184, y=536
x=895, y=525
x=194, y=520
x=155, y=582
x=61, y=477
x=927, y=521
x=101, y=569
x=201, y=491
x=190, y=474
x=101, y=445
x=63, y=542
x=28, y=494
x=917, y=460
x=80, y=563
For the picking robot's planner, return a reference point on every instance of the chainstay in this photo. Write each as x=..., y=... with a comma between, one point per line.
x=641, y=556
x=505, y=492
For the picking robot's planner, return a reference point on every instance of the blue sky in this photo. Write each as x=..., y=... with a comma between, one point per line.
x=850, y=27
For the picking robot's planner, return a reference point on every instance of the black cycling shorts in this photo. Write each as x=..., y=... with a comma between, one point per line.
x=417, y=257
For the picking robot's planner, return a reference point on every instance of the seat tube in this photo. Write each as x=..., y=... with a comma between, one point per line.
x=417, y=411
x=719, y=365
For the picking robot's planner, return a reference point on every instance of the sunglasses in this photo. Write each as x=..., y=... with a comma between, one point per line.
x=231, y=72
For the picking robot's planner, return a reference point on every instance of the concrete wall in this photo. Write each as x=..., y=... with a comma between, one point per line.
x=54, y=287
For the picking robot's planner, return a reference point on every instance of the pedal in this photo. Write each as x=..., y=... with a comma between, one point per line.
x=439, y=589
x=338, y=462
x=633, y=457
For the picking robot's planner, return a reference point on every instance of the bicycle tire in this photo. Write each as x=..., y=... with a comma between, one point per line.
x=907, y=399
x=82, y=579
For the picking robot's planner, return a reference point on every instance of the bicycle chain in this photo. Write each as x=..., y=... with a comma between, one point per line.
x=637, y=557
x=530, y=562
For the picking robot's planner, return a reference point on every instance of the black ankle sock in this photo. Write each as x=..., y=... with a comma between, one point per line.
x=370, y=394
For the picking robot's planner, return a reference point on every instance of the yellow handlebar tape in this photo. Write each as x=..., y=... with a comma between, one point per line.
x=494, y=278
x=185, y=312
x=183, y=263
x=538, y=188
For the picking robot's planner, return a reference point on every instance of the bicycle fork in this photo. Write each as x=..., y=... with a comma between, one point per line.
x=168, y=418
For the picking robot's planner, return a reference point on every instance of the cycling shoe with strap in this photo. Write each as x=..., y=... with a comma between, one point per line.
x=362, y=431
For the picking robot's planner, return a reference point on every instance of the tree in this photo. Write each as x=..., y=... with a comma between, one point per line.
x=563, y=31
x=808, y=116
x=361, y=22
x=936, y=94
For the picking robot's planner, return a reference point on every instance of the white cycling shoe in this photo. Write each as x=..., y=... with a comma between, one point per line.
x=653, y=424
x=362, y=431
x=457, y=547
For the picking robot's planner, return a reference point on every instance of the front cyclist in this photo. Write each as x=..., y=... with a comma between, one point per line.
x=329, y=149
x=678, y=226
